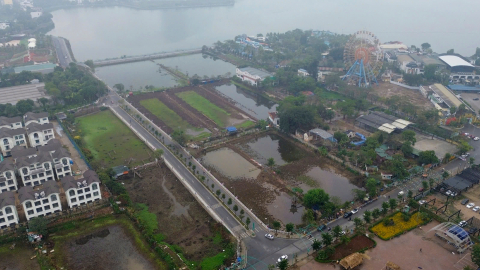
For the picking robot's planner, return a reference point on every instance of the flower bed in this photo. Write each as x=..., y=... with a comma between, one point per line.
x=400, y=226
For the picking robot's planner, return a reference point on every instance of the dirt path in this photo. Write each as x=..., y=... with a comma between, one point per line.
x=78, y=163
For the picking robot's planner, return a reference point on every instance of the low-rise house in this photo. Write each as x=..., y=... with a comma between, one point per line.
x=10, y=122
x=60, y=157
x=274, y=119
x=252, y=75
x=8, y=212
x=10, y=138
x=8, y=180
x=303, y=73
x=82, y=191
x=39, y=134
x=41, y=202
x=39, y=118
x=350, y=133
x=35, y=170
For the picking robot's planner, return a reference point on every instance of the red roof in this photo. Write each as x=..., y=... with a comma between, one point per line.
x=273, y=115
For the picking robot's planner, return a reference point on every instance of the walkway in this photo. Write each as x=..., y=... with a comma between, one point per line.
x=108, y=62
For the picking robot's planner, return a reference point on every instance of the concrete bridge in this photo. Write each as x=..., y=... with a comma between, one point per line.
x=129, y=59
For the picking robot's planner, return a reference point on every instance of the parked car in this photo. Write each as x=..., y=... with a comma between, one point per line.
x=269, y=236
x=476, y=98
x=476, y=138
x=476, y=208
x=401, y=193
x=321, y=227
x=422, y=202
x=421, y=189
x=347, y=215
x=464, y=201
x=462, y=223
x=354, y=211
x=283, y=257
x=470, y=205
x=448, y=193
x=453, y=194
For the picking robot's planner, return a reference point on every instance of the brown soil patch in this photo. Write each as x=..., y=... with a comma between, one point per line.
x=18, y=258
x=356, y=244
x=193, y=229
x=386, y=90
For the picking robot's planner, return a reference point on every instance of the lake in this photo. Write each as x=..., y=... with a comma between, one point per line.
x=99, y=33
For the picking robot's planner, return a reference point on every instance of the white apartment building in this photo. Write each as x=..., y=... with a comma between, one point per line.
x=35, y=170
x=11, y=122
x=60, y=157
x=82, y=191
x=8, y=180
x=10, y=138
x=39, y=118
x=8, y=211
x=39, y=134
x=40, y=202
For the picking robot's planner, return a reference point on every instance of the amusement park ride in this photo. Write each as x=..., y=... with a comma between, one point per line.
x=364, y=57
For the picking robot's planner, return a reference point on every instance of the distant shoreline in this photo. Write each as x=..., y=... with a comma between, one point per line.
x=156, y=6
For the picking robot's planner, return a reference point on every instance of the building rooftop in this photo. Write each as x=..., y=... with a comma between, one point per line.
x=9, y=120
x=7, y=198
x=25, y=161
x=28, y=193
x=20, y=151
x=6, y=132
x=60, y=153
x=34, y=116
x=36, y=68
x=446, y=95
x=6, y=165
x=383, y=121
x=33, y=127
x=322, y=133
x=404, y=58
x=262, y=74
x=454, y=61
x=15, y=93
x=52, y=145
x=461, y=87
x=69, y=182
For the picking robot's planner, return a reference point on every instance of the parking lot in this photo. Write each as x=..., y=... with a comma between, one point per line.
x=468, y=97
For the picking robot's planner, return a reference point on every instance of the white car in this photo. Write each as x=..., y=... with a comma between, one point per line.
x=462, y=224
x=448, y=193
x=401, y=193
x=476, y=208
x=422, y=202
x=476, y=138
x=269, y=236
x=283, y=257
x=354, y=211
x=470, y=205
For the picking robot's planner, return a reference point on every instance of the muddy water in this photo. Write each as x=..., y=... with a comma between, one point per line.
x=178, y=209
x=273, y=146
x=281, y=208
x=257, y=106
x=230, y=164
x=333, y=184
x=110, y=249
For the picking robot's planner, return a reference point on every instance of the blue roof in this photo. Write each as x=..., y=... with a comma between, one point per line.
x=231, y=129
x=461, y=87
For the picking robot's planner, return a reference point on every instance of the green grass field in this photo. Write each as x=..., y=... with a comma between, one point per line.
x=203, y=105
x=103, y=132
x=160, y=110
x=245, y=124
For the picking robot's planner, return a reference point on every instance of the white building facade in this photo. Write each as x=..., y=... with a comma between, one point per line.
x=8, y=180
x=39, y=134
x=39, y=203
x=8, y=211
x=252, y=75
x=9, y=138
x=36, y=170
x=82, y=191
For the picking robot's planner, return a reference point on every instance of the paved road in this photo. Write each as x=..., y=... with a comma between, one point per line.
x=144, y=57
x=63, y=55
x=459, y=164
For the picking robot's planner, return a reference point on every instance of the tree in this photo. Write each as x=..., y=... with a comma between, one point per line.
x=235, y=208
x=359, y=194
x=385, y=206
x=158, y=153
x=431, y=181
x=289, y=227
x=367, y=216
x=308, y=217
x=44, y=102
x=341, y=138
x=410, y=194
x=223, y=196
x=451, y=51
x=297, y=117
x=316, y=197
x=247, y=221
x=119, y=86
x=24, y=106
x=376, y=213
x=407, y=149
x=327, y=239
x=392, y=203
x=425, y=185
x=358, y=224
x=409, y=136
x=397, y=168
x=276, y=226
x=337, y=231
x=229, y=201
x=471, y=161
x=271, y=162
x=428, y=157
x=476, y=254
x=344, y=239
x=316, y=245
x=453, y=110
x=180, y=137
x=218, y=192
x=371, y=186
x=38, y=225
x=425, y=46
x=445, y=174
x=283, y=264
x=90, y=64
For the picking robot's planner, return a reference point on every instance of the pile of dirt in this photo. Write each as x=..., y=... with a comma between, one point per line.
x=189, y=227
x=355, y=245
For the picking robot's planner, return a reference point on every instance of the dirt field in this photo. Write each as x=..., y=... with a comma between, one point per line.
x=386, y=90
x=187, y=112
x=405, y=252
x=17, y=259
x=180, y=217
x=357, y=243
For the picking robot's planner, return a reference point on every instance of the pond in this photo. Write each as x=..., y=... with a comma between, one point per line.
x=255, y=105
x=281, y=208
x=332, y=183
x=229, y=163
x=109, y=248
x=273, y=146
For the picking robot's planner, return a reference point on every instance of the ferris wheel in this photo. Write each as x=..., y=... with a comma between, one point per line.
x=364, y=59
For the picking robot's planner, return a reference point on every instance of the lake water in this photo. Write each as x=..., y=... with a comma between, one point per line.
x=273, y=146
x=332, y=183
x=230, y=164
x=255, y=105
x=99, y=33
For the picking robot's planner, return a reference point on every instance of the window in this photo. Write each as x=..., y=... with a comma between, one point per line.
x=39, y=209
x=8, y=175
x=5, y=141
x=3, y=190
x=47, y=166
x=73, y=200
x=35, y=135
x=28, y=205
x=30, y=212
x=80, y=191
x=64, y=161
x=2, y=184
x=66, y=168
x=53, y=197
x=94, y=186
x=34, y=176
x=41, y=175
x=38, y=203
x=42, y=181
x=45, y=201
x=72, y=192
x=36, y=183
x=45, y=119
x=10, y=182
x=8, y=210
x=2, y=220
x=10, y=217
x=47, y=207
x=81, y=198
x=37, y=141
x=25, y=171
x=49, y=173
x=87, y=189
x=55, y=205
x=59, y=170
x=49, y=178
x=88, y=196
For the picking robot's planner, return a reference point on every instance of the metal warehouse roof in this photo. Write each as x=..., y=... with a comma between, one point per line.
x=454, y=61
x=383, y=121
x=253, y=71
x=461, y=87
x=322, y=133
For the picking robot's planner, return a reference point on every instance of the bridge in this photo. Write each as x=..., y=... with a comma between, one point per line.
x=129, y=59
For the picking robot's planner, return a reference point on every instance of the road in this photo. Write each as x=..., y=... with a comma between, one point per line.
x=63, y=55
x=144, y=57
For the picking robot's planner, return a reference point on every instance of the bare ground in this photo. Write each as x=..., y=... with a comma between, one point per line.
x=386, y=90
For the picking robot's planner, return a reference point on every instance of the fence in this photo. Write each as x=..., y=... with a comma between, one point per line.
x=406, y=86
x=75, y=145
